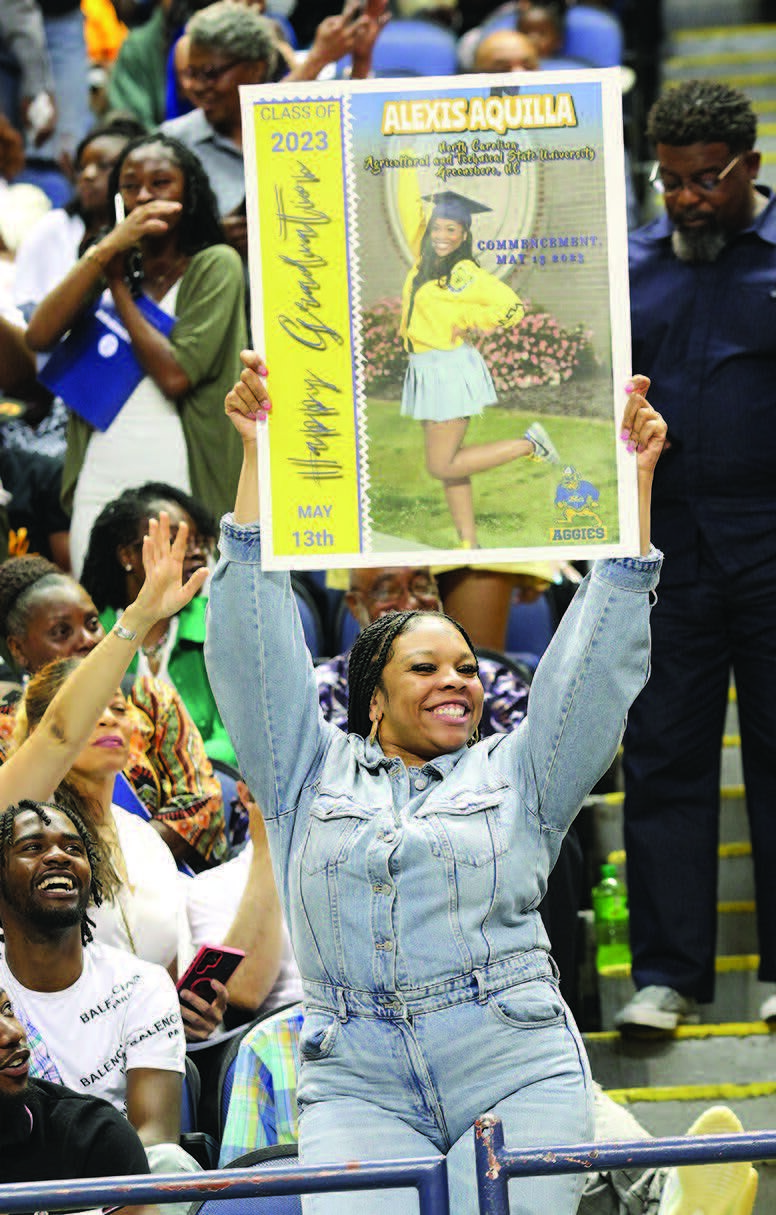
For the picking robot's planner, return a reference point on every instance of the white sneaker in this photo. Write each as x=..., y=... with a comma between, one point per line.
x=711, y=1189
x=656, y=1010
x=768, y=1010
x=544, y=448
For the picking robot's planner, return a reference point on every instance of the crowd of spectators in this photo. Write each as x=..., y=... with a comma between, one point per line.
x=121, y=172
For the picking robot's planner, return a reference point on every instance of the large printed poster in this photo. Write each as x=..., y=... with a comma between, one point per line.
x=439, y=287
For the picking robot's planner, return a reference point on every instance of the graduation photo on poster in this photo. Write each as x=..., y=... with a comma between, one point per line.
x=439, y=287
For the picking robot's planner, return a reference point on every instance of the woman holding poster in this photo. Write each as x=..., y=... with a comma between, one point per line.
x=445, y=295
x=411, y=859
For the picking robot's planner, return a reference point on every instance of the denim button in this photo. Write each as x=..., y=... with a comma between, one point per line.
x=387, y=945
x=389, y=836
x=421, y=782
x=381, y=888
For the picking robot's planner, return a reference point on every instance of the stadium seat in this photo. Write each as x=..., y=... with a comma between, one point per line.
x=529, y=629
x=264, y=1158
x=312, y=624
x=412, y=48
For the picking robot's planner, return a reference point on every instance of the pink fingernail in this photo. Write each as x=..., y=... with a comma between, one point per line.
x=630, y=386
x=630, y=446
x=641, y=447
x=624, y=435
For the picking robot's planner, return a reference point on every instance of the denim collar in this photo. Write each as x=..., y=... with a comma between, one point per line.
x=372, y=756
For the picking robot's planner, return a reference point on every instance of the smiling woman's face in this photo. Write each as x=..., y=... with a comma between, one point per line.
x=447, y=235
x=429, y=701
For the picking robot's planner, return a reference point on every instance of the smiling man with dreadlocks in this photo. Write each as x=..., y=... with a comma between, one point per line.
x=97, y=1019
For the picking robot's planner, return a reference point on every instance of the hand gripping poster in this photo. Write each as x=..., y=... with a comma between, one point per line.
x=439, y=288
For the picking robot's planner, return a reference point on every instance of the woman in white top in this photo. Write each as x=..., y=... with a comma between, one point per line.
x=51, y=248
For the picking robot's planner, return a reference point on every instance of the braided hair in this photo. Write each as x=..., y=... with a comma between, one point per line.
x=94, y=851
x=372, y=651
x=20, y=578
x=117, y=524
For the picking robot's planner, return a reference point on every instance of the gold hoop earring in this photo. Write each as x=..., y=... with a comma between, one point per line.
x=373, y=731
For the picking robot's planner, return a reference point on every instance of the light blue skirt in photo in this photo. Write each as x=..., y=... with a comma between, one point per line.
x=441, y=385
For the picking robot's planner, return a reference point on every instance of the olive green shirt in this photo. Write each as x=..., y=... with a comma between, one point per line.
x=138, y=80
x=209, y=333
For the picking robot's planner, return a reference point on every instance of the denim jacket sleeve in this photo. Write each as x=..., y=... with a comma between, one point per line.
x=261, y=673
x=592, y=671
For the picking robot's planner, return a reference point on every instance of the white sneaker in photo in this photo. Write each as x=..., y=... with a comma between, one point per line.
x=544, y=448
x=656, y=1010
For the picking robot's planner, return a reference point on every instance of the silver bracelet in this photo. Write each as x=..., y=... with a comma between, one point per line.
x=124, y=634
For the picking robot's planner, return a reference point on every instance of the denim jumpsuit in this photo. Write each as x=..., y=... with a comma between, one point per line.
x=411, y=894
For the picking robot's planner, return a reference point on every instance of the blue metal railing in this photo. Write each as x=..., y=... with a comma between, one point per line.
x=495, y=1164
x=427, y=1176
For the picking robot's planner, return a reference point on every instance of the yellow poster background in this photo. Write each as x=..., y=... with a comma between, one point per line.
x=307, y=326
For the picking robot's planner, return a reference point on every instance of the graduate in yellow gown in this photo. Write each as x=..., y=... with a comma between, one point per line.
x=446, y=293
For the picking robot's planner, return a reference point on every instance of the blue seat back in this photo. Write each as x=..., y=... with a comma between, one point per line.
x=189, y=1098
x=530, y=628
x=593, y=36
x=264, y=1158
x=412, y=47
x=312, y=625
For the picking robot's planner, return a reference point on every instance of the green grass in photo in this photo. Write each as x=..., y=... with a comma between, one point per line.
x=514, y=504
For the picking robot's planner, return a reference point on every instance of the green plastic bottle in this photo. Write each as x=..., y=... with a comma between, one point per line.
x=610, y=910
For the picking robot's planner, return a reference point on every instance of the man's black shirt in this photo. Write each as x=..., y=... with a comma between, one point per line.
x=71, y=1136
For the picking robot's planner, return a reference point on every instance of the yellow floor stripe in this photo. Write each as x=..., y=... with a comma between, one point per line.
x=722, y=31
x=744, y=82
x=737, y=907
x=709, y=58
x=727, y=793
x=725, y=964
x=724, y=1029
x=694, y=1092
x=737, y=848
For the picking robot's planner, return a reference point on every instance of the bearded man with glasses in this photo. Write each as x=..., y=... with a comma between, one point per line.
x=703, y=304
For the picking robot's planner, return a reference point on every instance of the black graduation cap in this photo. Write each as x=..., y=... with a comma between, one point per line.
x=449, y=205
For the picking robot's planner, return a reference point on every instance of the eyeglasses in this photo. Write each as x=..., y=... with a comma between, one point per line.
x=194, y=543
x=703, y=183
x=209, y=75
x=393, y=591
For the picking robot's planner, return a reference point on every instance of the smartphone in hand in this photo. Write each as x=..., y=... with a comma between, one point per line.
x=211, y=962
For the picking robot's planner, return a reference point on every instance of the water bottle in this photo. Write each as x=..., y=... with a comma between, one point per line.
x=610, y=910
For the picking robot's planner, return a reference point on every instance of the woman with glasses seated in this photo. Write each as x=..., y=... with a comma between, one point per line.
x=113, y=574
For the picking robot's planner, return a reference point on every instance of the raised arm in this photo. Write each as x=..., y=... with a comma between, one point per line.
x=68, y=301
x=44, y=758
x=257, y=661
x=598, y=660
